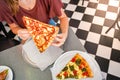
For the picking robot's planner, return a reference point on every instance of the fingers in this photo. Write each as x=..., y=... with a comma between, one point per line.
x=59, y=36
x=23, y=31
x=59, y=40
x=23, y=34
x=58, y=44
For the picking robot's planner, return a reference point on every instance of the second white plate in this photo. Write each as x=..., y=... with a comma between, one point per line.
x=10, y=73
x=66, y=57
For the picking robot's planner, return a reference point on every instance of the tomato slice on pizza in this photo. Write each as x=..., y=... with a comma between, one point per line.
x=76, y=68
x=43, y=34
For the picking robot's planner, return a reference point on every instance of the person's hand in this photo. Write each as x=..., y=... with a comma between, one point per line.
x=23, y=34
x=59, y=40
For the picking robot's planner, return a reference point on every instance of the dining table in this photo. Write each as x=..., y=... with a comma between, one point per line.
x=13, y=58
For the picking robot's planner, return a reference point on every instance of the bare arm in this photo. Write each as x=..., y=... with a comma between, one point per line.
x=64, y=23
x=60, y=38
x=22, y=33
x=15, y=28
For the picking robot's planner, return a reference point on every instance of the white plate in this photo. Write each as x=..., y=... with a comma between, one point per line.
x=33, y=56
x=10, y=74
x=28, y=60
x=66, y=57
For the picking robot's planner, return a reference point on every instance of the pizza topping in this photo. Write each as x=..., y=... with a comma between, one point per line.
x=71, y=76
x=65, y=74
x=81, y=66
x=84, y=69
x=72, y=68
x=78, y=61
x=73, y=60
x=76, y=68
x=59, y=76
x=75, y=72
x=66, y=68
x=85, y=73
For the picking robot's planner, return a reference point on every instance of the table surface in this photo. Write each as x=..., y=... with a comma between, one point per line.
x=13, y=58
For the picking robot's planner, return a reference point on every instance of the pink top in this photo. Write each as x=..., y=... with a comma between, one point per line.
x=42, y=11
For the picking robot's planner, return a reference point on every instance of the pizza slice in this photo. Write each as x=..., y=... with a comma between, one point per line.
x=76, y=68
x=3, y=74
x=43, y=34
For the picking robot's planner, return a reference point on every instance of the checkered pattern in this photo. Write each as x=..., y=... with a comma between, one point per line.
x=89, y=22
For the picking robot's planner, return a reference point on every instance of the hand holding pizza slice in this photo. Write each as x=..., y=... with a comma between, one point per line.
x=43, y=34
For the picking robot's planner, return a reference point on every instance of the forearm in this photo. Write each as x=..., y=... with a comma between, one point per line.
x=21, y=32
x=64, y=24
x=15, y=28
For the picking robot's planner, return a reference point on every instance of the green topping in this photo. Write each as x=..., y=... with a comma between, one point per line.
x=84, y=69
x=59, y=77
x=76, y=77
x=71, y=76
x=72, y=68
x=78, y=61
x=66, y=68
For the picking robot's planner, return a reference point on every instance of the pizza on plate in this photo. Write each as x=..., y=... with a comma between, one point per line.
x=43, y=34
x=3, y=74
x=76, y=68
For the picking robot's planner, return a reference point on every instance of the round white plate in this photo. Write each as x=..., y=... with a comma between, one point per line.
x=67, y=56
x=10, y=74
x=26, y=58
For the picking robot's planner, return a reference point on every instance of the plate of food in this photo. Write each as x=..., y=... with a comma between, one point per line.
x=37, y=59
x=76, y=65
x=6, y=73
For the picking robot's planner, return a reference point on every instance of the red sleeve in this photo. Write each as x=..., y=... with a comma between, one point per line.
x=55, y=8
x=5, y=13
